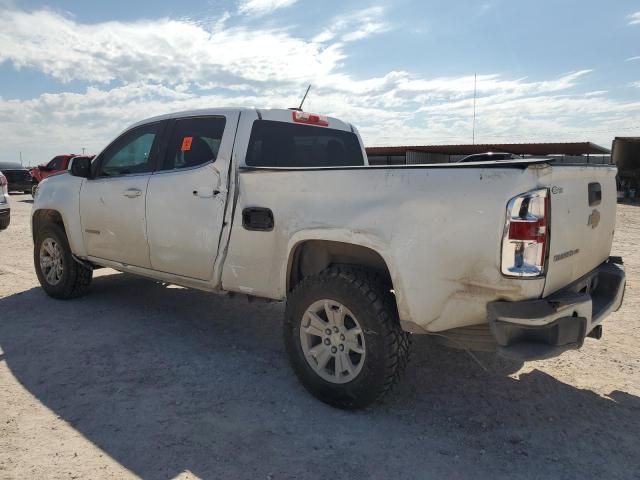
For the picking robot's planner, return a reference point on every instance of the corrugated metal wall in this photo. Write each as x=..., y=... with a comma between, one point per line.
x=416, y=158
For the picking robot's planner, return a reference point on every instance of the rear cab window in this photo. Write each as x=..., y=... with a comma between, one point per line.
x=282, y=144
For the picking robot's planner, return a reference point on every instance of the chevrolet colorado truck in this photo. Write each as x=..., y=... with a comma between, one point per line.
x=281, y=204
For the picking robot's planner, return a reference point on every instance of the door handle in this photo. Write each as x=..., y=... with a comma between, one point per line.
x=132, y=192
x=215, y=193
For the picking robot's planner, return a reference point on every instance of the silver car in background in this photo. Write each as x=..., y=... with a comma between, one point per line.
x=5, y=209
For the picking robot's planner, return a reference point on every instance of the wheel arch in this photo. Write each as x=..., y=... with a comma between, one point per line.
x=335, y=246
x=310, y=257
x=44, y=216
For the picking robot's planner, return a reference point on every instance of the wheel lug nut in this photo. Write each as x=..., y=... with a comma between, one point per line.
x=341, y=347
x=328, y=331
x=335, y=329
x=327, y=341
x=334, y=349
x=342, y=337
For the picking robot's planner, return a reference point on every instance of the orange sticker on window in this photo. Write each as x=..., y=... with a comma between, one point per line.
x=186, y=144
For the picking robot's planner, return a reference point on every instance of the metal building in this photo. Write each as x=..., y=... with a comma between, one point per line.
x=625, y=153
x=572, y=152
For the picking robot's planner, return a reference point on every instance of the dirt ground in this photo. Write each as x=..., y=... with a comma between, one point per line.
x=142, y=380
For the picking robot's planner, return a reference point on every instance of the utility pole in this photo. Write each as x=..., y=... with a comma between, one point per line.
x=82, y=150
x=20, y=158
x=475, y=94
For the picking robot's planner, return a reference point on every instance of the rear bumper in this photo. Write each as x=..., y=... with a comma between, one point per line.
x=544, y=328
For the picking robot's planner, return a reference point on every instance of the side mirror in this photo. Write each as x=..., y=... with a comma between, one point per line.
x=81, y=167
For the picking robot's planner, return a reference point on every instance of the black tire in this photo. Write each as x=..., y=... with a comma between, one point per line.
x=387, y=345
x=75, y=279
x=4, y=223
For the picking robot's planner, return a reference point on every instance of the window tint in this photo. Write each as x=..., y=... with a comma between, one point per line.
x=56, y=163
x=131, y=153
x=194, y=141
x=279, y=144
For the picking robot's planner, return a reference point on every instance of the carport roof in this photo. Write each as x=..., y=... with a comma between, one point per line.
x=563, y=148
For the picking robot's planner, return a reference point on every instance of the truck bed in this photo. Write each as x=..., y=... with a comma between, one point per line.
x=438, y=227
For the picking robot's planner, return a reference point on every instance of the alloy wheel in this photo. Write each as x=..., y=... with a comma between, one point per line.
x=51, y=261
x=332, y=341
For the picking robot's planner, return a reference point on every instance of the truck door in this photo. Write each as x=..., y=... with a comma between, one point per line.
x=187, y=195
x=112, y=203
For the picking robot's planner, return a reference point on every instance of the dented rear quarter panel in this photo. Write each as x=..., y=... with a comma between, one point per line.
x=438, y=229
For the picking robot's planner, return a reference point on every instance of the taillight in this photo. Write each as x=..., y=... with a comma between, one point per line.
x=526, y=235
x=310, y=119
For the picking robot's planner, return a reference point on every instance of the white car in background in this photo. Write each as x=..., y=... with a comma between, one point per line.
x=5, y=209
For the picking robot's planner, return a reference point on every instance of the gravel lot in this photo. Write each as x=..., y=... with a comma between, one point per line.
x=142, y=380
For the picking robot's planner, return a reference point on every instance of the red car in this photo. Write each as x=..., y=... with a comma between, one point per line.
x=56, y=164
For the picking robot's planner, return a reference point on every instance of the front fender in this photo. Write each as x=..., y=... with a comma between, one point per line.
x=61, y=194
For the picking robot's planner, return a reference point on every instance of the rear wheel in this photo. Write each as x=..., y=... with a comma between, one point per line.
x=343, y=337
x=59, y=274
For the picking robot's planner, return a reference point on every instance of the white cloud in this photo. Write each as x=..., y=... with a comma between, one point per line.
x=139, y=69
x=633, y=59
x=634, y=18
x=261, y=7
x=485, y=8
x=164, y=50
x=355, y=26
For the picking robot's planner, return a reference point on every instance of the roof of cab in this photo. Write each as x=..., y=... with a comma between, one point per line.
x=188, y=113
x=277, y=114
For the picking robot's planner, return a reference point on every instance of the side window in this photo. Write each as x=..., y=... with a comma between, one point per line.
x=281, y=144
x=194, y=141
x=131, y=153
x=55, y=164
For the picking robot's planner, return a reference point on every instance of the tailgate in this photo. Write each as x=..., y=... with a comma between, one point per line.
x=581, y=233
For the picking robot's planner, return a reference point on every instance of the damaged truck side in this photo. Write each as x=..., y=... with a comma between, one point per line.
x=512, y=256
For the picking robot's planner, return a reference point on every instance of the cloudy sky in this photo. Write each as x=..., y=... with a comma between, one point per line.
x=75, y=73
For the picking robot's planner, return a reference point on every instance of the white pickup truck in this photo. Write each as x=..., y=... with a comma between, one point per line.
x=280, y=204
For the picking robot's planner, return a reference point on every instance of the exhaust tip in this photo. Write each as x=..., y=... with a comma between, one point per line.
x=596, y=333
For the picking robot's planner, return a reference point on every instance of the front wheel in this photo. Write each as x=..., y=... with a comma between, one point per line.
x=343, y=337
x=59, y=274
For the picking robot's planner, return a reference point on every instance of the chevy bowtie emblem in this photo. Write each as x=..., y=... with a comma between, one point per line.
x=594, y=219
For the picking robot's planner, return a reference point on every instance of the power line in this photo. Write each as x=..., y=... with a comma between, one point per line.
x=475, y=91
